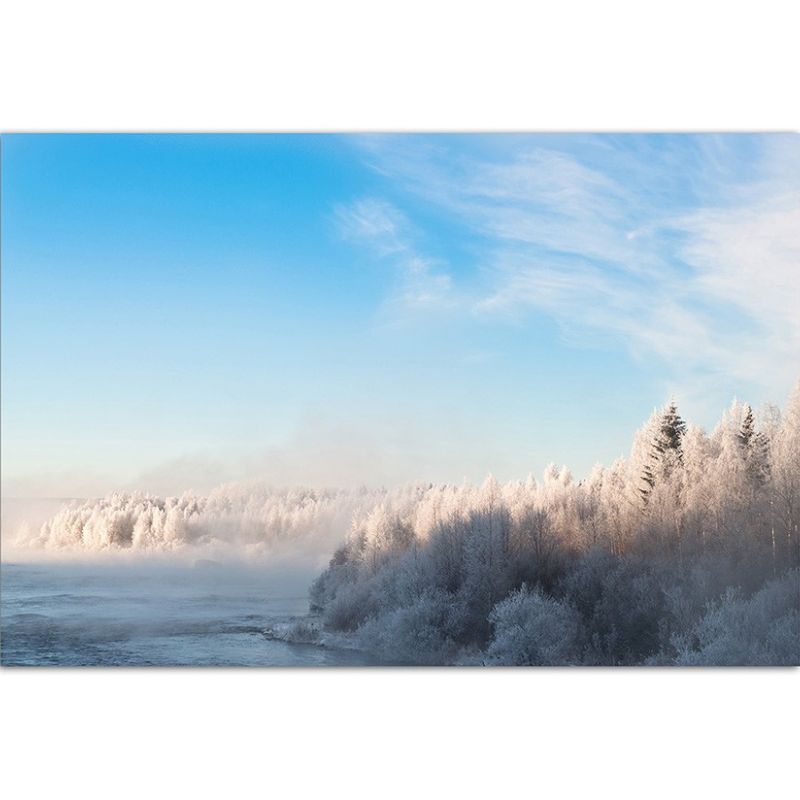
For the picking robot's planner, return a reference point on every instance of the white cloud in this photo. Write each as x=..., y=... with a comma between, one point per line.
x=421, y=281
x=748, y=258
x=708, y=283
x=374, y=222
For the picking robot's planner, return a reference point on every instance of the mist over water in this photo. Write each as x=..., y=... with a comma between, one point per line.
x=155, y=613
x=136, y=580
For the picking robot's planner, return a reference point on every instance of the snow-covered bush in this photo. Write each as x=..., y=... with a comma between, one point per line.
x=531, y=628
x=424, y=632
x=760, y=630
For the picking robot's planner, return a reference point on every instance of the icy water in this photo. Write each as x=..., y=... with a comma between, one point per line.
x=201, y=614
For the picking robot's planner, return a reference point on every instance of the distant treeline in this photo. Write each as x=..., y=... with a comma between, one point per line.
x=247, y=518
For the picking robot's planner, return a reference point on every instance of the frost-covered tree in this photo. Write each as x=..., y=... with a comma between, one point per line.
x=755, y=449
x=657, y=451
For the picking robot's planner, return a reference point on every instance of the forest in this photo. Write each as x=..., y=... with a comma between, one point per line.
x=686, y=553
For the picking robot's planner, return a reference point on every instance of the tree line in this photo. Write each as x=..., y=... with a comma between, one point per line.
x=684, y=553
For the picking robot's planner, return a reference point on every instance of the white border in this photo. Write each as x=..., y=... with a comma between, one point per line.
x=446, y=65
x=378, y=66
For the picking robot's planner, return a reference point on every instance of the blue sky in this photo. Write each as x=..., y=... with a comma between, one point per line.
x=181, y=310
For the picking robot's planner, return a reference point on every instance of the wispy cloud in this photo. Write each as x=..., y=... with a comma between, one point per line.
x=375, y=222
x=686, y=249
x=422, y=283
x=747, y=260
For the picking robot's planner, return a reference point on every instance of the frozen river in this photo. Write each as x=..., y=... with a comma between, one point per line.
x=203, y=614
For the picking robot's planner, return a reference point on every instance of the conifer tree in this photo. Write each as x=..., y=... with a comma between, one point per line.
x=671, y=433
x=755, y=448
x=747, y=429
x=665, y=451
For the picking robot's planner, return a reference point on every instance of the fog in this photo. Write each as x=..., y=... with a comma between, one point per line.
x=288, y=531
x=158, y=610
x=22, y=517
